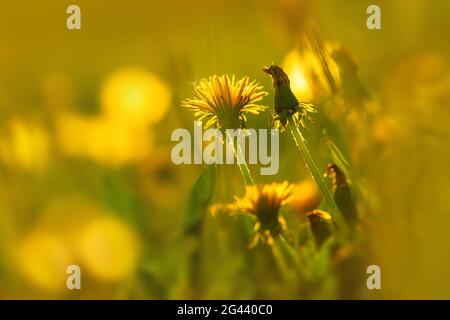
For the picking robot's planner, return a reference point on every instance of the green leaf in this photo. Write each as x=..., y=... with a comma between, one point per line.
x=201, y=195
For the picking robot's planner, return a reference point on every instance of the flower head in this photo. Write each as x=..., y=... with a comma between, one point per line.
x=135, y=98
x=308, y=80
x=286, y=104
x=264, y=202
x=223, y=102
x=109, y=249
x=305, y=197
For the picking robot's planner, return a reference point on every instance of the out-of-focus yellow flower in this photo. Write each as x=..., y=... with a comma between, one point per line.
x=305, y=197
x=135, y=97
x=103, y=139
x=108, y=249
x=307, y=80
x=264, y=202
x=43, y=258
x=298, y=74
x=113, y=144
x=25, y=146
x=223, y=102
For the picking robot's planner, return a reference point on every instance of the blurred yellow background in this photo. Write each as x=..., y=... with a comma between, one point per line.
x=86, y=117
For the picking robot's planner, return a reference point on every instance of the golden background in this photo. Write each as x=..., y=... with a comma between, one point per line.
x=85, y=123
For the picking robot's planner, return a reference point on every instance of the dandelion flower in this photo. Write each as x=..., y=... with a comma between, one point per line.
x=109, y=249
x=135, y=97
x=223, y=102
x=305, y=197
x=26, y=146
x=103, y=139
x=308, y=81
x=42, y=258
x=264, y=202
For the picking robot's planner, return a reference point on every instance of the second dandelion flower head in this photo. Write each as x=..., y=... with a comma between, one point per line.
x=264, y=203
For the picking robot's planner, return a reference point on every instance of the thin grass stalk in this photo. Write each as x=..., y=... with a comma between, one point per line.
x=245, y=171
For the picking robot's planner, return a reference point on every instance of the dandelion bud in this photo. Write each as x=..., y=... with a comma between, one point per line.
x=320, y=221
x=342, y=194
x=286, y=104
x=284, y=98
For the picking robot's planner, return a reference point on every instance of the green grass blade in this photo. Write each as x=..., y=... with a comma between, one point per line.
x=243, y=166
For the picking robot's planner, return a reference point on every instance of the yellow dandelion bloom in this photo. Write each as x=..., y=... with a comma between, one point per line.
x=135, y=97
x=223, y=102
x=108, y=249
x=27, y=146
x=308, y=82
x=305, y=197
x=42, y=258
x=102, y=139
x=116, y=145
x=264, y=202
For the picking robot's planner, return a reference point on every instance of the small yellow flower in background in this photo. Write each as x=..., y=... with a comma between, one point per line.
x=42, y=258
x=223, y=102
x=305, y=197
x=108, y=249
x=102, y=139
x=135, y=97
x=131, y=101
x=299, y=74
x=26, y=146
x=116, y=145
x=308, y=82
x=264, y=202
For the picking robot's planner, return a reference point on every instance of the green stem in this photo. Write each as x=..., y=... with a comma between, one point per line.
x=318, y=178
x=242, y=164
x=286, y=259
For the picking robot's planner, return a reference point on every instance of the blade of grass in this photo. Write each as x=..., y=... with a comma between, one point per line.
x=245, y=171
